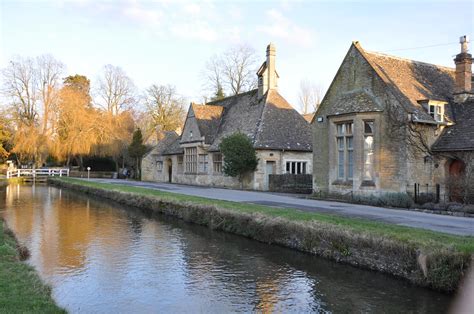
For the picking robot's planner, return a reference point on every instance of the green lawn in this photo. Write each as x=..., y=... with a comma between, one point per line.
x=420, y=238
x=21, y=290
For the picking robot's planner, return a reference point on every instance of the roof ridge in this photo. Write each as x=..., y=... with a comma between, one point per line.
x=406, y=59
x=228, y=97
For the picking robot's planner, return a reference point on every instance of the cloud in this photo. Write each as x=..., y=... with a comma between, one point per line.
x=192, y=8
x=196, y=30
x=150, y=17
x=280, y=27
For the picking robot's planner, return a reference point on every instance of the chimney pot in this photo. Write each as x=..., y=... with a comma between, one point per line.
x=463, y=61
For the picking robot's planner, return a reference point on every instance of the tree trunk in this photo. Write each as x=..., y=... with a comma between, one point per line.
x=137, y=173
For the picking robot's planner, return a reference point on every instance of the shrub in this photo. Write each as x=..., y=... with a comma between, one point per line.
x=387, y=199
x=239, y=155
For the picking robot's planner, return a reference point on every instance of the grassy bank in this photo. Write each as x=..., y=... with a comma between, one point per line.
x=424, y=257
x=21, y=290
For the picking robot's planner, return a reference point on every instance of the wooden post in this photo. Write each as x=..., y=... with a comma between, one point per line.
x=438, y=192
x=416, y=195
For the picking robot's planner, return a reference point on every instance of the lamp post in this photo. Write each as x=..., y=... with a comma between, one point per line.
x=88, y=172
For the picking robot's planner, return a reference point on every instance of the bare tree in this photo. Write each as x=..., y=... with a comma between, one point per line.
x=310, y=96
x=32, y=85
x=164, y=109
x=116, y=90
x=233, y=72
x=20, y=85
x=213, y=76
x=49, y=74
x=418, y=136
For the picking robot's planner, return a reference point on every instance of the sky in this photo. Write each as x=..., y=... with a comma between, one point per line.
x=169, y=42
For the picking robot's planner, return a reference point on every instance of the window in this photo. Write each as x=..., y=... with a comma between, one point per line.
x=296, y=167
x=217, y=161
x=190, y=156
x=203, y=168
x=436, y=111
x=345, y=150
x=180, y=164
x=368, y=174
x=159, y=165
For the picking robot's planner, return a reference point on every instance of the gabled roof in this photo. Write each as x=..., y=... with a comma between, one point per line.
x=282, y=127
x=208, y=119
x=165, y=144
x=270, y=121
x=411, y=81
x=460, y=136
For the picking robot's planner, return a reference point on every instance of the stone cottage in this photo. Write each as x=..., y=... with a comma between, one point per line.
x=388, y=123
x=280, y=135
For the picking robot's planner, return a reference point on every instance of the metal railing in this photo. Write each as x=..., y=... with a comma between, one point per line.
x=41, y=172
x=425, y=193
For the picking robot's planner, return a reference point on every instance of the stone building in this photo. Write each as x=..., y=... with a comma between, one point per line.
x=280, y=135
x=388, y=123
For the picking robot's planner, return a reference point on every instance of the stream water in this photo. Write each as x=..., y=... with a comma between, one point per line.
x=100, y=257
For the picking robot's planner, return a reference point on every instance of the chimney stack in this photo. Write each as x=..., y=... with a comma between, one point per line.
x=267, y=75
x=272, y=76
x=463, y=61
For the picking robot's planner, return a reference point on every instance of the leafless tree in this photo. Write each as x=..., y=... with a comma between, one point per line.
x=32, y=85
x=49, y=74
x=310, y=96
x=116, y=91
x=419, y=137
x=164, y=110
x=20, y=85
x=233, y=71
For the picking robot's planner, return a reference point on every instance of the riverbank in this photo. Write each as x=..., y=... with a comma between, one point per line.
x=423, y=257
x=21, y=289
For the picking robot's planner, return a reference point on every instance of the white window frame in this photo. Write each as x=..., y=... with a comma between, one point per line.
x=296, y=166
x=436, y=111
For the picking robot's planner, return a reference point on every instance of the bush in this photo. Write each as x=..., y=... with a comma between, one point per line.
x=426, y=198
x=387, y=199
x=239, y=155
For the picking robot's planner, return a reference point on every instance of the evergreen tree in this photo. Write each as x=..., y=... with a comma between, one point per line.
x=137, y=150
x=239, y=154
x=219, y=93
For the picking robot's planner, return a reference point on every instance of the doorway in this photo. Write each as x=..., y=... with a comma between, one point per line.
x=270, y=168
x=456, y=180
x=169, y=164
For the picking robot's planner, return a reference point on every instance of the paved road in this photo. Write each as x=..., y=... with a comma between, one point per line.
x=447, y=224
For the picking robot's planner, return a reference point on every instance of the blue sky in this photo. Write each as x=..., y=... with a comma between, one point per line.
x=169, y=42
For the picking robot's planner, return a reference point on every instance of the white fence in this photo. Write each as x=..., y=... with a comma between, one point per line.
x=34, y=173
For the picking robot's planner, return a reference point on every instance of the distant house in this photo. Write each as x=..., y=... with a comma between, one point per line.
x=280, y=135
x=388, y=123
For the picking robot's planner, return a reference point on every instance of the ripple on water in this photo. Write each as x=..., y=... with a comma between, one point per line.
x=102, y=257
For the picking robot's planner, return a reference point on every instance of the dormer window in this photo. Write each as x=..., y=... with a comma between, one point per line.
x=436, y=112
x=435, y=108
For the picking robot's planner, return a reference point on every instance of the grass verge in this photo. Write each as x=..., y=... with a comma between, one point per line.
x=424, y=257
x=21, y=289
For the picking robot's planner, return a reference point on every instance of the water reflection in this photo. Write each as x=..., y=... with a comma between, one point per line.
x=102, y=257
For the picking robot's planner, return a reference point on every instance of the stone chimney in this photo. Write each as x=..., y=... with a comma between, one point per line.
x=267, y=75
x=463, y=61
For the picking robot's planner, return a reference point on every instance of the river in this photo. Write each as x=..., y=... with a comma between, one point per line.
x=101, y=257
